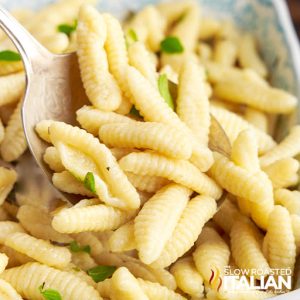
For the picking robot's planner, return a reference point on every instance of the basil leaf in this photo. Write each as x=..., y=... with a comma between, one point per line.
x=49, y=294
x=89, y=182
x=163, y=86
x=131, y=37
x=135, y=112
x=101, y=273
x=66, y=28
x=75, y=247
x=171, y=45
x=8, y=55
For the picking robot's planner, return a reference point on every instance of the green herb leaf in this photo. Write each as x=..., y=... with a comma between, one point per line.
x=49, y=294
x=135, y=112
x=8, y=55
x=163, y=86
x=89, y=182
x=171, y=45
x=75, y=247
x=66, y=28
x=131, y=37
x=100, y=273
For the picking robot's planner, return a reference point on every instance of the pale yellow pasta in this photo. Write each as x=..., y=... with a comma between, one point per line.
x=42, y=129
x=212, y=253
x=233, y=125
x=67, y=183
x=139, y=57
x=204, y=51
x=226, y=215
x=147, y=135
x=7, y=292
x=192, y=105
x=39, y=250
x=225, y=52
x=256, y=118
x=118, y=153
x=265, y=98
x=98, y=157
x=10, y=67
x=40, y=224
x=52, y=159
x=244, y=151
x=170, y=73
x=188, y=278
x=288, y=147
x=296, y=230
x=67, y=284
x=248, y=55
x=83, y=261
x=123, y=238
x=180, y=171
x=100, y=85
x=91, y=119
x=7, y=228
x=228, y=31
x=14, y=142
x=3, y=262
x=246, y=248
x=281, y=241
x=11, y=87
x=153, y=107
x=289, y=199
x=90, y=218
x=125, y=286
x=209, y=28
x=8, y=177
x=156, y=221
x=197, y=212
x=147, y=183
x=56, y=42
x=73, y=269
x=283, y=172
x=15, y=258
x=244, y=206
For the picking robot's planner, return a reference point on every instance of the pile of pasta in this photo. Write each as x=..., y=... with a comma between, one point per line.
x=161, y=210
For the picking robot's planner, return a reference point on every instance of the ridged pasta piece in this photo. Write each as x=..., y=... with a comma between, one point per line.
x=212, y=253
x=204, y=50
x=8, y=177
x=14, y=142
x=67, y=183
x=40, y=224
x=7, y=228
x=90, y=218
x=248, y=55
x=256, y=118
x=106, y=165
x=246, y=248
x=11, y=87
x=197, y=212
x=226, y=215
x=15, y=258
x=155, y=223
x=52, y=159
x=73, y=269
x=225, y=52
x=244, y=206
x=3, y=262
x=150, y=135
x=281, y=240
x=265, y=98
x=188, y=278
x=101, y=87
x=39, y=250
x=91, y=119
x=288, y=199
x=233, y=125
x=123, y=238
x=147, y=183
x=180, y=171
x=83, y=261
x=255, y=187
x=296, y=230
x=9, y=68
x=57, y=42
x=118, y=153
x=7, y=292
x=283, y=172
x=288, y=147
x=139, y=57
x=193, y=104
x=154, y=109
x=244, y=152
x=42, y=129
x=125, y=286
x=67, y=284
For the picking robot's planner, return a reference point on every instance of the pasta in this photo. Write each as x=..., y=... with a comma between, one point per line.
x=8, y=177
x=225, y=53
x=7, y=292
x=51, y=157
x=288, y=199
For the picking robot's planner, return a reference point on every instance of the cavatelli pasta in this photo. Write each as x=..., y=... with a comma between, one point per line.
x=8, y=177
x=7, y=292
x=296, y=230
x=83, y=261
x=52, y=159
x=156, y=221
x=225, y=52
x=67, y=284
x=91, y=218
x=14, y=142
x=118, y=153
x=7, y=228
x=38, y=249
x=197, y=212
x=288, y=199
x=180, y=171
x=150, y=135
x=256, y=118
x=42, y=128
x=3, y=262
x=100, y=86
